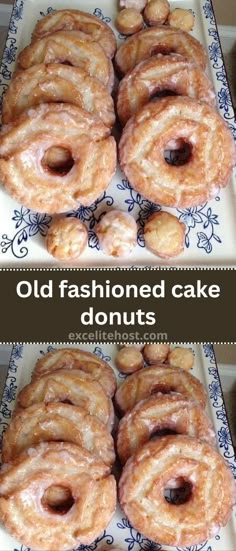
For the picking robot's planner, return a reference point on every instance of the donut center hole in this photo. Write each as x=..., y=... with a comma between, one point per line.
x=178, y=491
x=58, y=161
x=57, y=499
x=165, y=431
x=162, y=94
x=160, y=49
x=163, y=389
x=178, y=152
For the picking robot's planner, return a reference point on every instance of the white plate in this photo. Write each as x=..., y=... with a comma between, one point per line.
x=119, y=533
x=210, y=238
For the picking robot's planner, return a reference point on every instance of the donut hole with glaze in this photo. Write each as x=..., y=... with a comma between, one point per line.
x=164, y=431
x=57, y=500
x=162, y=389
x=58, y=161
x=178, y=152
x=178, y=491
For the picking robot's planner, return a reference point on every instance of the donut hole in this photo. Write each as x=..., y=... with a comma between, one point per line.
x=58, y=161
x=162, y=389
x=162, y=94
x=57, y=499
x=178, y=152
x=178, y=491
x=165, y=431
x=161, y=49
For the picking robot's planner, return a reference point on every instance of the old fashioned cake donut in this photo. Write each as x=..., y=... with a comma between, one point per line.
x=76, y=20
x=149, y=472
x=28, y=177
x=74, y=358
x=66, y=238
x=29, y=515
x=71, y=386
x=162, y=74
x=175, y=123
x=155, y=379
x=160, y=413
x=72, y=49
x=57, y=422
x=160, y=39
x=57, y=83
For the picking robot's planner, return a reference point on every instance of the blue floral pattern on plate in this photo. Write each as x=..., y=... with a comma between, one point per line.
x=218, y=406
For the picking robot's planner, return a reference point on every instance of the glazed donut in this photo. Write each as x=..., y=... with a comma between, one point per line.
x=155, y=129
x=181, y=357
x=158, y=379
x=66, y=238
x=147, y=474
x=136, y=4
x=73, y=49
x=156, y=12
x=73, y=387
x=164, y=234
x=170, y=412
x=159, y=74
x=74, y=358
x=156, y=353
x=117, y=233
x=57, y=422
x=76, y=20
x=57, y=83
x=129, y=359
x=160, y=39
x=181, y=19
x=129, y=21
x=32, y=518
x=31, y=181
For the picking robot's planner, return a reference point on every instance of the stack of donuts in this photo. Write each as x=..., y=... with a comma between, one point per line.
x=165, y=442
x=165, y=60
x=59, y=108
x=176, y=151
x=56, y=486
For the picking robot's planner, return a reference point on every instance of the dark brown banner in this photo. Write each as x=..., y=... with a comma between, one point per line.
x=120, y=305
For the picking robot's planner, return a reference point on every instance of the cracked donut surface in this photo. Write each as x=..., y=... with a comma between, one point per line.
x=158, y=379
x=70, y=48
x=160, y=39
x=71, y=129
x=70, y=386
x=159, y=74
x=74, y=358
x=80, y=21
x=57, y=422
x=159, y=413
x=173, y=123
x=24, y=507
x=57, y=83
x=154, y=468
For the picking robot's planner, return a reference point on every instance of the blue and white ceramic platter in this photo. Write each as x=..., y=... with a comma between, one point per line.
x=210, y=228
x=120, y=533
